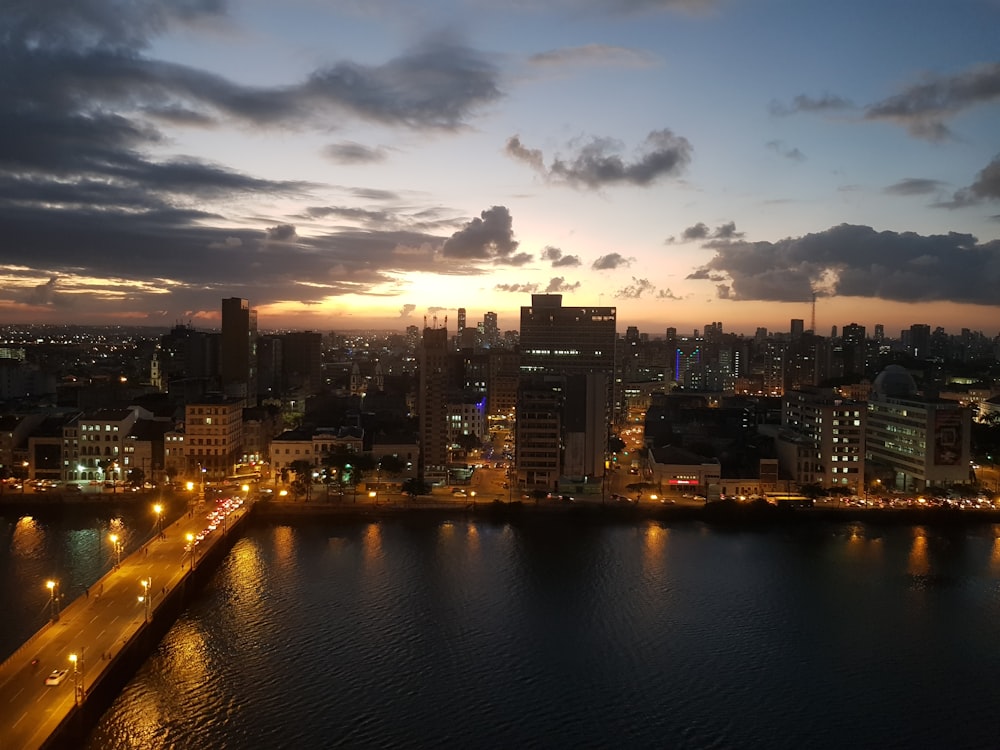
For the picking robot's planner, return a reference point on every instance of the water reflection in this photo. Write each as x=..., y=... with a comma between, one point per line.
x=917, y=562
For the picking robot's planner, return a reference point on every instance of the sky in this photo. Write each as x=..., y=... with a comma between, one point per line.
x=374, y=164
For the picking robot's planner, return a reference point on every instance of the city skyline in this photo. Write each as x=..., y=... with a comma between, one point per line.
x=360, y=167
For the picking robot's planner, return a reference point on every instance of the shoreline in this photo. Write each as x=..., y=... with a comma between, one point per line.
x=720, y=513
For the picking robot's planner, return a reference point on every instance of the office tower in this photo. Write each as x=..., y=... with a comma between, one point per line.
x=922, y=441
x=491, y=330
x=239, y=350
x=879, y=333
x=566, y=339
x=798, y=328
x=433, y=405
x=461, y=321
x=920, y=340
x=853, y=344
x=822, y=439
x=302, y=361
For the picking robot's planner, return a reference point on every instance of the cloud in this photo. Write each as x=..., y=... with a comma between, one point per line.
x=281, y=233
x=636, y=289
x=805, y=103
x=594, y=54
x=667, y=294
x=914, y=186
x=701, y=231
x=611, y=261
x=630, y=7
x=349, y=152
x=597, y=163
x=407, y=310
x=781, y=149
x=857, y=261
x=986, y=187
x=697, y=232
x=490, y=237
x=555, y=256
x=559, y=284
x=924, y=107
x=517, y=288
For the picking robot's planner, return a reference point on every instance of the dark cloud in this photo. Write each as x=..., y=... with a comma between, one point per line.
x=915, y=186
x=924, y=107
x=781, y=149
x=594, y=54
x=701, y=231
x=517, y=259
x=667, y=294
x=857, y=261
x=490, y=237
x=349, y=152
x=697, y=232
x=559, y=284
x=610, y=261
x=804, y=103
x=87, y=195
x=985, y=188
x=597, y=162
x=555, y=256
x=282, y=233
x=636, y=289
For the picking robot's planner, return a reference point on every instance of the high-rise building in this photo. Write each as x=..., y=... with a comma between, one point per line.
x=239, y=350
x=919, y=441
x=566, y=339
x=302, y=361
x=213, y=436
x=461, y=321
x=491, y=330
x=798, y=328
x=433, y=405
x=822, y=439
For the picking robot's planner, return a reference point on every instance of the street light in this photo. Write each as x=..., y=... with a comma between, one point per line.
x=190, y=540
x=53, y=586
x=158, y=510
x=79, y=692
x=116, y=542
x=144, y=598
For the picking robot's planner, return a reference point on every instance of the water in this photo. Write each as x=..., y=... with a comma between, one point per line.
x=411, y=634
x=70, y=546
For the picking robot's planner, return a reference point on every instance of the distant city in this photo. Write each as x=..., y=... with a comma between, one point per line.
x=565, y=403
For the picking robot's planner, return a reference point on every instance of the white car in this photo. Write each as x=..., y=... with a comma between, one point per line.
x=56, y=677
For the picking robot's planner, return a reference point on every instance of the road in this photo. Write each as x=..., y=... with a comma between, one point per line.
x=94, y=627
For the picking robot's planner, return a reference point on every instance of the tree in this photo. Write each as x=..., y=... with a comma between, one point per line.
x=415, y=486
x=302, y=485
x=136, y=477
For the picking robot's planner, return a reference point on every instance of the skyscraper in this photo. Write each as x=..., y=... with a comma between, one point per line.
x=239, y=350
x=433, y=405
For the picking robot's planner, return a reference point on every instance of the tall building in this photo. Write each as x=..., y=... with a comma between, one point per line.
x=213, y=441
x=302, y=361
x=433, y=405
x=491, y=330
x=822, y=439
x=915, y=441
x=239, y=350
x=566, y=339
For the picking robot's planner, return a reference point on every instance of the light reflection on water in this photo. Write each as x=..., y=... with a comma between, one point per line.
x=480, y=635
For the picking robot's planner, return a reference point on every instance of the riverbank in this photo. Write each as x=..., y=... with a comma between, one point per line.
x=720, y=513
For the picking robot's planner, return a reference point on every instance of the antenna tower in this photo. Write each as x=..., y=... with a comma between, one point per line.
x=812, y=322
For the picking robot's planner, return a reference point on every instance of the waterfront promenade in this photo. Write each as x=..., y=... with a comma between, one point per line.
x=95, y=627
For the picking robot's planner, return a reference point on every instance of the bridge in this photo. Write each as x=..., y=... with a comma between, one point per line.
x=102, y=637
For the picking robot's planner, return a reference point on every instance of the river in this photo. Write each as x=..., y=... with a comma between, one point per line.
x=541, y=634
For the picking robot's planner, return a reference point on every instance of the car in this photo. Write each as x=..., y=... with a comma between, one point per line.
x=74, y=488
x=458, y=493
x=56, y=676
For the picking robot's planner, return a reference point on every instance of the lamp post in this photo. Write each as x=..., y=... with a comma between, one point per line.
x=53, y=587
x=24, y=475
x=158, y=510
x=190, y=540
x=117, y=545
x=144, y=598
x=79, y=691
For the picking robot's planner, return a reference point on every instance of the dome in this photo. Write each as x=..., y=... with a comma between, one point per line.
x=895, y=380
